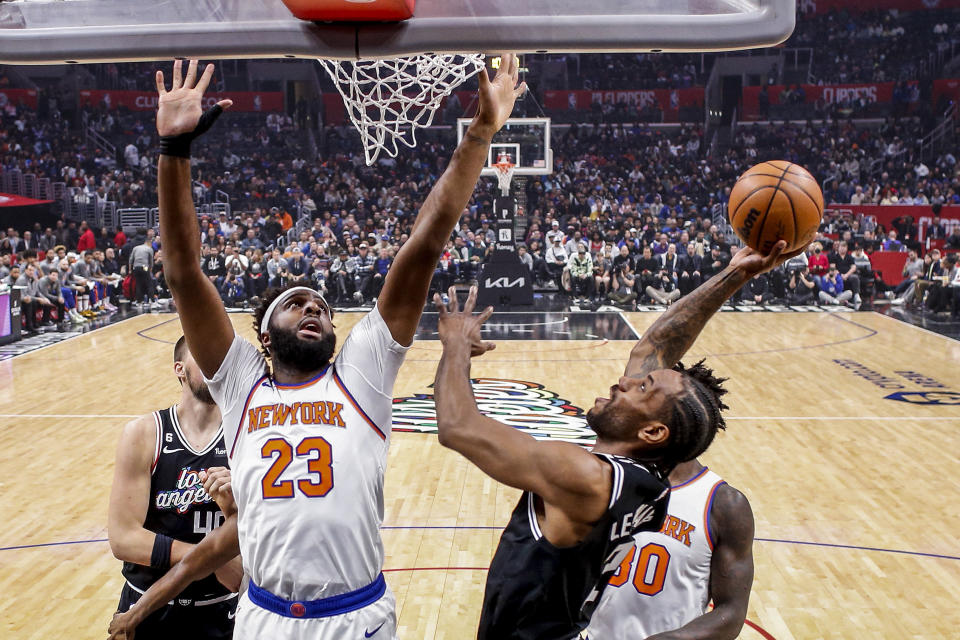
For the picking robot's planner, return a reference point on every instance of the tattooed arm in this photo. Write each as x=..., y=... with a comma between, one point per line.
x=667, y=339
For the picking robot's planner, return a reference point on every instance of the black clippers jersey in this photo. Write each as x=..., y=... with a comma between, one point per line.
x=179, y=507
x=536, y=591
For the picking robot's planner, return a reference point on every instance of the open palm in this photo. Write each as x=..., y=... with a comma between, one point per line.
x=498, y=96
x=180, y=107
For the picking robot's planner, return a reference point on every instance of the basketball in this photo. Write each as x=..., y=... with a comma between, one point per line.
x=776, y=200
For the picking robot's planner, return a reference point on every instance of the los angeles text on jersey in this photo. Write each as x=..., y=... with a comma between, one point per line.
x=279, y=414
x=188, y=492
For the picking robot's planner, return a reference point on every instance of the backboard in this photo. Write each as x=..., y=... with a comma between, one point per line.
x=58, y=31
x=525, y=140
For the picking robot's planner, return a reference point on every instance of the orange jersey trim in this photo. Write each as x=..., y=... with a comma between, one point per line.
x=243, y=414
x=353, y=401
x=706, y=512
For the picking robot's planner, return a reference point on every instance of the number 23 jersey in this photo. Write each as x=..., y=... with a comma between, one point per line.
x=308, y=462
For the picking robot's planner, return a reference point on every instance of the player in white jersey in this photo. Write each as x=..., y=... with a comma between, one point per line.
x=703, y=552
x=306, y=437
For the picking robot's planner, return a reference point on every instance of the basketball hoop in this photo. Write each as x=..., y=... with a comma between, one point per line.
x=388, y=100
x=505, y=169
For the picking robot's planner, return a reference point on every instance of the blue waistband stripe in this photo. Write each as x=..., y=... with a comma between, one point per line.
x=322, y=608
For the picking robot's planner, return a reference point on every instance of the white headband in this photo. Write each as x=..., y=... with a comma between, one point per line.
x=280, y=298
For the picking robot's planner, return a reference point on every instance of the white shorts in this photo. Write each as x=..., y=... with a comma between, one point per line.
x=377, y=621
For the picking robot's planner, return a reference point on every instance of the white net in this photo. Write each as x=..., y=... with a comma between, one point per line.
x=388, y=100
x=504, y=175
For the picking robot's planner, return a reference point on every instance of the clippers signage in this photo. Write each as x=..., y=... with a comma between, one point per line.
x=669, y=101
x=885, y=214
x=526, y=406
x=18, y=97
x=248, y=101
x=882, y=92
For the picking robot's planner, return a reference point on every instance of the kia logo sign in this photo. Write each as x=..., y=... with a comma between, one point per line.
x=503, y=283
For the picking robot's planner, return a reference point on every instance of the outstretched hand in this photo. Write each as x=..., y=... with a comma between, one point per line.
x=180, y=108
x=498, y=96
x=752, y=262
x=459, y=327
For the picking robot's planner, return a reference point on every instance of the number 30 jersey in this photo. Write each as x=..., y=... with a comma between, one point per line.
x=308, y=463
x=664, y=581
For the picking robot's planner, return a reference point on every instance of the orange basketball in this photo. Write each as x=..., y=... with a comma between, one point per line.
x=776, y=200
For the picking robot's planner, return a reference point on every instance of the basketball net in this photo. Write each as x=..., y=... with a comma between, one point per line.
x=504, y=174
x=388, y=100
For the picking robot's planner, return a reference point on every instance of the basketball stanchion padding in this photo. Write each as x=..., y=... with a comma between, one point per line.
x=351, y=11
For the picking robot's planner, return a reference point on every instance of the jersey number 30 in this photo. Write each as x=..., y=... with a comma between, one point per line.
x=643, y=582
x=283, y=452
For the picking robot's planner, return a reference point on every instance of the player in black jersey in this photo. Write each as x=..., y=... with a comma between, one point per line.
x=575, y=522
x=159, y=510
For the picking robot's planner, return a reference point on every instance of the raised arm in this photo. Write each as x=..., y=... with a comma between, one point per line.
x=731, y=571
x=405, y=288
x=563, y=474
x=667, y=339
x=205, y=323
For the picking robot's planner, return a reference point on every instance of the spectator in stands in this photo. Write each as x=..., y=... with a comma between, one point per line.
x=49, y=288
x=603, y=271
x=939, y=295
x=581, y=273
x=12, y=276
x=831, y=288
x=232, y=290
x=912, y=271
x=891, y=243
x=32, y=301
x=756, y=291
x=932, y=272
x=623, y=285
x=556, y=260
x=689, y=269
x=818, y=262
x=847, y=267
x=953, y=242
x=276, y=269
x=341, y=282
x=382, y=265
x=141, y=267
x=801, y=287
x=663, y=290
x=87, y=241
x=365, y=265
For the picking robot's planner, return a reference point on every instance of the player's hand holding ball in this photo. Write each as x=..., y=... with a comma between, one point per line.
x=776, y=201
x=462, y=327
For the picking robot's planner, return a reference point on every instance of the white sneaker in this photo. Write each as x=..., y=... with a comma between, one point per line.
x=358, y=296
x=888, y=295
x=897, y=301
x=154, y=305
x=76, y=317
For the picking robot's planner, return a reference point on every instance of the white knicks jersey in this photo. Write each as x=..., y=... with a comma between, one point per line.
x=308, y=462
x=664, y=582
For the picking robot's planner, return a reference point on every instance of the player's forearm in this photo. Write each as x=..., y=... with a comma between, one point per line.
x=136, y=546
x=178, y=219
x=443, y=206
x=453, y=394
x=215, y=550
x=669, y=338
x=717, y=624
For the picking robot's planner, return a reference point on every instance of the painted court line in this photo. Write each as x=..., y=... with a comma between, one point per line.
x=128, y=415
x=832, y=545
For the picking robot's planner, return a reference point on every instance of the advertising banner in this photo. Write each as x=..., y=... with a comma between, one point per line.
x=247, y=101
x=26, y=97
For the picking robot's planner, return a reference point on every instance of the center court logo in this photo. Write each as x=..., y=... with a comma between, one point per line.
x=526, y=406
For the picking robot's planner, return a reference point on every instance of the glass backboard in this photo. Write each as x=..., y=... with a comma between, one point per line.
x=525, y=140
x=58, y=31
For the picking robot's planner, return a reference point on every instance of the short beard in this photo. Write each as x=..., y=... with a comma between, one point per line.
x=200, y=390
x=610, y=426
x=301, y=355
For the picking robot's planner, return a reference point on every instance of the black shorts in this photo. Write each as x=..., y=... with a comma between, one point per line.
x=173, y=621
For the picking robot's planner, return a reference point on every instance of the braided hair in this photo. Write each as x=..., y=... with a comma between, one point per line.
x=696, y=416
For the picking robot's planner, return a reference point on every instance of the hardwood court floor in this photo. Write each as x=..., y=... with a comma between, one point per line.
x=855, y=495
